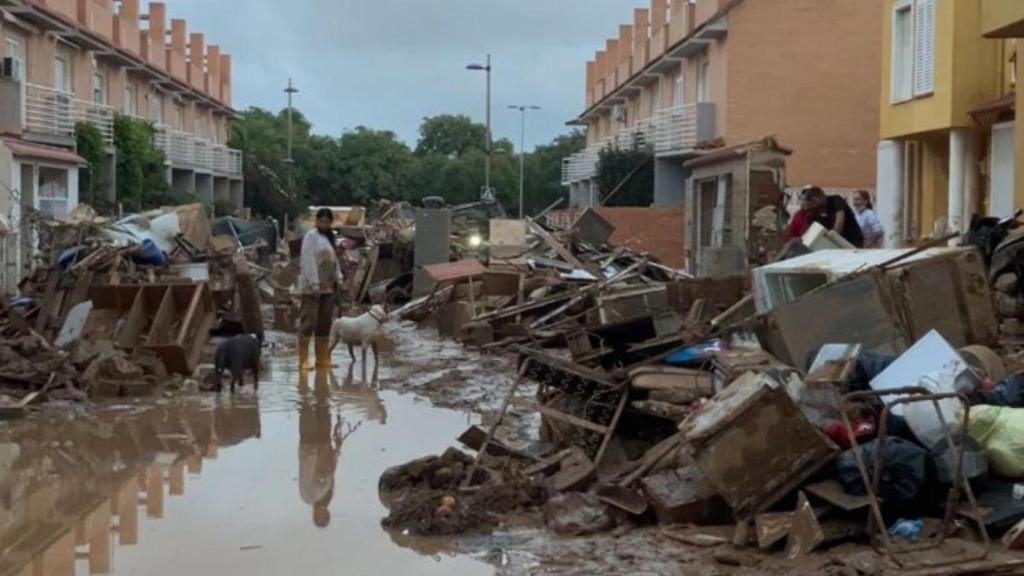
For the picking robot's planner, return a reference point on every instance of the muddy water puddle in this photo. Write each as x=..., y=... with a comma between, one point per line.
x=279, y=482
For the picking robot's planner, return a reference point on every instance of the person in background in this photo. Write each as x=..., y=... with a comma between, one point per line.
x=869, y=223
x=835, y=214
x=801, y=221
x=319, y=278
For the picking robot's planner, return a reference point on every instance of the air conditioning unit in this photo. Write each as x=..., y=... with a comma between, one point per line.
x=8, y=68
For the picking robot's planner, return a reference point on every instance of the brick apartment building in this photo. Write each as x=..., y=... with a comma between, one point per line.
x=687, y=77
x=63, y=62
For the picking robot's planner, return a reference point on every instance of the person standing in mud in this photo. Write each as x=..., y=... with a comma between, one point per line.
x=319, y=279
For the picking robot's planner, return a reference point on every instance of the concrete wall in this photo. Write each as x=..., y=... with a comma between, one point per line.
x=669, y=182
x=807, y=72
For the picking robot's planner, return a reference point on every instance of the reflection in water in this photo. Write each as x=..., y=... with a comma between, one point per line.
x=69, y=486
x=182, y=488
x=319, y=447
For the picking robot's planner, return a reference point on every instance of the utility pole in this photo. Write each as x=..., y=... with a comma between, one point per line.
x=290, y=90
x=522, y=152
x=487, y=168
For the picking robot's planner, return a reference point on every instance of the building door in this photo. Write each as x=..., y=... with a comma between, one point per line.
x=1001, y=184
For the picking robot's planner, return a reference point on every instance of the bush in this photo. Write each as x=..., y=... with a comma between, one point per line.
x=90, y=146
x=627, y=175
x=141, y=176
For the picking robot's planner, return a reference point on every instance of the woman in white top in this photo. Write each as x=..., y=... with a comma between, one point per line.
x=319, y=278
x=870, y=225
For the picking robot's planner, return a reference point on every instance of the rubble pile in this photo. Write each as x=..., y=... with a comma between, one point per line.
x=121, y=303
x=425, y=499
x=823, y=398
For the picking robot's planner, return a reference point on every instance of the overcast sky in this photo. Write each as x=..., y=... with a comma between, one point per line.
x=388, y=63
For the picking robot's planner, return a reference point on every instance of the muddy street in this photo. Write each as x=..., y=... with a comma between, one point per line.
x=275, y=482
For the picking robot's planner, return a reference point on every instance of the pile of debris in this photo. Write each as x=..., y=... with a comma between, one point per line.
x=837, y=395
x=425, y=499
x=120, y=304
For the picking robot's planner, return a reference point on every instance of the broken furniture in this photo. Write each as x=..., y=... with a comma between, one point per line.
x=849, y=296
x=754, y=445
x=172, y=320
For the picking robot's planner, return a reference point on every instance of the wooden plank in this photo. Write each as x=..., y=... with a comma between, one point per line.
x=558, y=415
x=555, y=245
x=494, y=427
x=612, y=426
x=47, y=305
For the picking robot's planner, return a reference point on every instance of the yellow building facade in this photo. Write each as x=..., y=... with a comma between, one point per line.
x=947, y=118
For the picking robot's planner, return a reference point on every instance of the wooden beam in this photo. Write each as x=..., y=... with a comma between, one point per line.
x=558, y=415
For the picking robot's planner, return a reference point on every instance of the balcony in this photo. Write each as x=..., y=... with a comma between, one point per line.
x=189, y=152
x=669, y=132
x=50, y=115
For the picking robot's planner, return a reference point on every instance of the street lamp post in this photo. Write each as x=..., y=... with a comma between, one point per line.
x=486, y=68
x=290, y=90
x=522, y=151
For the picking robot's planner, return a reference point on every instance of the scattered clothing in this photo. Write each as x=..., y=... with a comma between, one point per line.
x=798, y=225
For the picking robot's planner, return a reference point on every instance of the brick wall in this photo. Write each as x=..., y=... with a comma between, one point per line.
x=658, y=231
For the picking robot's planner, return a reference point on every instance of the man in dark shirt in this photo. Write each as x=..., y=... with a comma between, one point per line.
x=834, y=213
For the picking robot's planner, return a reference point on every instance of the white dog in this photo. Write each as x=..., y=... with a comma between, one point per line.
x=365, y=331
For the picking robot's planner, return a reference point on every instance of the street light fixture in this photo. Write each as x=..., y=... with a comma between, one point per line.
x=290, y=90
x=522, y=151
x=486, y=68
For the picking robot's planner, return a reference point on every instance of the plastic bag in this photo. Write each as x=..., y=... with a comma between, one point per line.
x=903, y=470
x=1001, y=431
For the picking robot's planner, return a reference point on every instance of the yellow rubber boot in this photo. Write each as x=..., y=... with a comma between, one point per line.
x=304, y=353
x=323, y=352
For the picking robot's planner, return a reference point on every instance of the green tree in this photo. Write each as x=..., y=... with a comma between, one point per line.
x=365, y=164
x=374, y=165
x=450, y=135
x=262, y=136
x=543, y=169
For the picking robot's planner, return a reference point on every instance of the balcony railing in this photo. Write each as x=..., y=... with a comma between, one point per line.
x=188, y=151
x=54, y=113
x=672, y=131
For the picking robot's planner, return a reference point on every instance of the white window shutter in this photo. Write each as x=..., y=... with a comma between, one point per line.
x=924, y=47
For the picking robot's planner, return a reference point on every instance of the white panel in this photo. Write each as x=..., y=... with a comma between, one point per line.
x=1001, y=185
x=924, y=47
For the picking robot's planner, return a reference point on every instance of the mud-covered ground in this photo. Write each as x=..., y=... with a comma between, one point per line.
x=452, y=376
x=285, y=481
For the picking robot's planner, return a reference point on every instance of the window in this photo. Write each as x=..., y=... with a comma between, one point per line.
x=703, y=80
x=13, y=50
x=61, y=74
x=130, y=102
x=156, y=108
x=179, y=118
x=53, y=192
x=913, y=49
x=99, y=87
x=924, y=47
x=679, y=89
